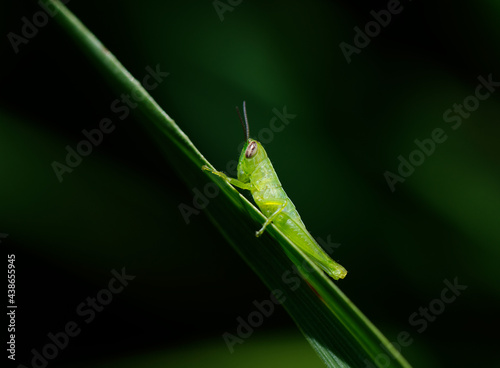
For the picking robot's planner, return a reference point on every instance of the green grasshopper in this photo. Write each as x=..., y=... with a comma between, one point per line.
x=256, y=174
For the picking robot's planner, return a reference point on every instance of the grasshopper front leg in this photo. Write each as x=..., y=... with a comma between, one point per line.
x=282, y=204
x=232, y=181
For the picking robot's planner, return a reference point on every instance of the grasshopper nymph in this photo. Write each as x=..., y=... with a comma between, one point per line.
x=256, y=174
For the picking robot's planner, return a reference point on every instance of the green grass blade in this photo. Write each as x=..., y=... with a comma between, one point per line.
x=341, y=335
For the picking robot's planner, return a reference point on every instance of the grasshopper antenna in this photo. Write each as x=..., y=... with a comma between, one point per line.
x=246, y=129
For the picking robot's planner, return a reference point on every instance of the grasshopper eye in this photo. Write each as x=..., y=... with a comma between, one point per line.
x=251, y=150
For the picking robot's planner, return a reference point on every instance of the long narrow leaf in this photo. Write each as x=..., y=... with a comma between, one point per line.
x=341, y=335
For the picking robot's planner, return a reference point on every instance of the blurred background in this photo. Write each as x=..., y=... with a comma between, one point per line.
x=359, y=101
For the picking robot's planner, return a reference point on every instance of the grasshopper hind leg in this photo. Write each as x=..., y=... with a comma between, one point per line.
x=282, y=204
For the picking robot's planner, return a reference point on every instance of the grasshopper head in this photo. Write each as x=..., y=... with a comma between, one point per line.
x=252, y=153
x=251, y=156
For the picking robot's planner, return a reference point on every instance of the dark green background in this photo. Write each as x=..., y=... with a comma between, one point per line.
x=119, y=208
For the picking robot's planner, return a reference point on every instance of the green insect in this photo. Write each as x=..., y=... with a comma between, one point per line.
x=256, y=174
